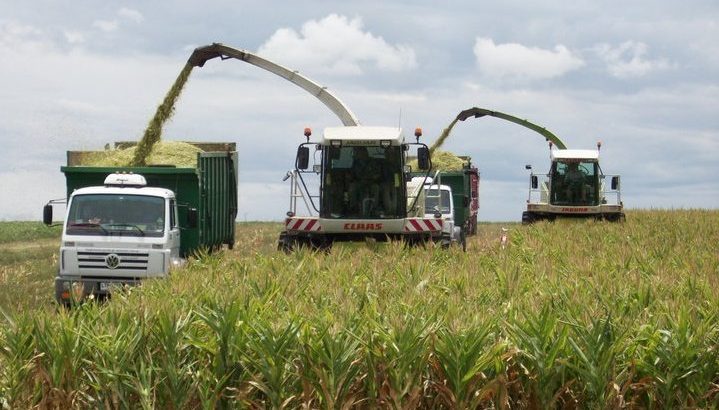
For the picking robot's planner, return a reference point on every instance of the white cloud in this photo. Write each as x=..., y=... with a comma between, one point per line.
x=13, y=33
x=336, y=45
x=628, y=59
x=74, y=37
x=131, y=14
x=105, y=25
x=517, y=61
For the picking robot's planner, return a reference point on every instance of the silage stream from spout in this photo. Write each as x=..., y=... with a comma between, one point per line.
x=442, y=137
x=153, y=132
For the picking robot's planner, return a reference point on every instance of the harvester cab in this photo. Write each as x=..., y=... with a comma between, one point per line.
x=574, y=186
x=364, y=190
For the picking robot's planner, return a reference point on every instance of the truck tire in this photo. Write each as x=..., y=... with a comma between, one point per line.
x=463, y=240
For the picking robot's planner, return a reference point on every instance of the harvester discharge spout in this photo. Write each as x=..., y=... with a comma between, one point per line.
x=202, y=54
x=481, y=112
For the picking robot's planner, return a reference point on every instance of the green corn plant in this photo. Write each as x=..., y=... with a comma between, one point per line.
x=397, y=357
x=116, y=347
x=331, y=364
x=541, y=340
x=223, y=341
x=269, y=357
x=144, y=381
x=17, y=358
x=61, y=356
x=597, y=347
x=676, y=358
x=174, y=359
x=458, y=364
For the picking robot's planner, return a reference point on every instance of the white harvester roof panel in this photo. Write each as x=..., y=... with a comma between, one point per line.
x=586, y=154
x=361, y=135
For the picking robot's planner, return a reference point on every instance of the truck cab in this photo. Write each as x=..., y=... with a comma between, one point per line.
x=439, y=200
x=115, y=235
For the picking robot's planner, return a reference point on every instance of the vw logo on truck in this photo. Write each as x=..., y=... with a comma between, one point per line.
x=112, y=261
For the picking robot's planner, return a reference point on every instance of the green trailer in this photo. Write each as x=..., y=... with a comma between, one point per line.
x=464, y=184
x=465, y=195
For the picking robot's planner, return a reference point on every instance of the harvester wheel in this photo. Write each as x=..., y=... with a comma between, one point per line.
x=285, y=244
x=528, y=218
x=320, y=244
x=618, y=217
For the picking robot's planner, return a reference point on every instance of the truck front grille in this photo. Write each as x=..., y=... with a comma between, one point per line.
x=112, y=260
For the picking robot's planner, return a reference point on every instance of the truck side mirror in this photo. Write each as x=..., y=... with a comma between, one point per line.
x=535, y=182
x=615, y=182
x=303, y=157
x=47, y=214
x=527, y=166
x=423, y=162
x=192, y=218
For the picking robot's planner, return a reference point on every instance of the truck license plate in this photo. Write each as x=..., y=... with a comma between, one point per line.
x=104, y=286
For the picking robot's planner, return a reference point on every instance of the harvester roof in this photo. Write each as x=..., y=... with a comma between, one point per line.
x=585, y=154
x=361, y=135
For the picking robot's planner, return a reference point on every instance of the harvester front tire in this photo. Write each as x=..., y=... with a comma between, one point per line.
x=528, y=218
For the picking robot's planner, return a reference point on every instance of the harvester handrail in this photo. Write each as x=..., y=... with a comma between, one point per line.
x=201, y=54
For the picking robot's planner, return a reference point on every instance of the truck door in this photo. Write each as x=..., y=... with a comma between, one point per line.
x=174, y=232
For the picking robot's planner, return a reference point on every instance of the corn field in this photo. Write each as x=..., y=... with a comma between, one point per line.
x=571, y=314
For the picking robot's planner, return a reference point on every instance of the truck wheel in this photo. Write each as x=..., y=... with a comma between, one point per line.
x=463, y=240
x=445, y=241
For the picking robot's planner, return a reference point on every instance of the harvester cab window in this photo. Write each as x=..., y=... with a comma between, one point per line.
x=575, y=183
x=362, y=182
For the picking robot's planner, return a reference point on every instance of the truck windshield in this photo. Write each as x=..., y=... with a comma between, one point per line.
x=436, y=198
x=363, y=182
x=575, y=182
x=113, y=214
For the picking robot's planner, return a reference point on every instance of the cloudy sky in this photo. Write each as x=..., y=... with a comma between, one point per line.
x=641, y=76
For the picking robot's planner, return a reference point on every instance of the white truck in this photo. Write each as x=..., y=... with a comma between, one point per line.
x=439, y=200
x=116, y=234
x=126, y=224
